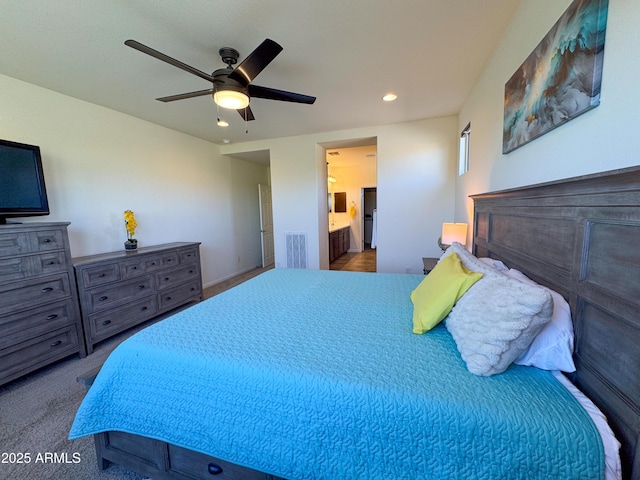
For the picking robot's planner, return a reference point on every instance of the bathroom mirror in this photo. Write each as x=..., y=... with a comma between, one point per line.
x=341, y=202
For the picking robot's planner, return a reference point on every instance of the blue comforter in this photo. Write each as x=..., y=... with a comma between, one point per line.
x=317, y=374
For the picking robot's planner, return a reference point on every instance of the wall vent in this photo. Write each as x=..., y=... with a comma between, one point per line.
x=296, y=244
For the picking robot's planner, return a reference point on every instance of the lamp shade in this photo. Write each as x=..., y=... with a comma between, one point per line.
x=454, y=232
x=231, y=99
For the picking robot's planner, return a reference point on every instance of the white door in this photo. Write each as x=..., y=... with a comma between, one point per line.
x=266, y=224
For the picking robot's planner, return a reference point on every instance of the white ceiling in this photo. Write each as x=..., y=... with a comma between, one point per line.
x=347, y=53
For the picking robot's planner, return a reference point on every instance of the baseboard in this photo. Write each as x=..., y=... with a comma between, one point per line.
x=230, y=276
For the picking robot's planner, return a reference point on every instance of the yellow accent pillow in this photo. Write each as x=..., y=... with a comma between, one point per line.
x=436, y=295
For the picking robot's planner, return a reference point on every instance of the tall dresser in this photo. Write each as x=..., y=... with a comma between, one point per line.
x=119, y=290
x=39, y=316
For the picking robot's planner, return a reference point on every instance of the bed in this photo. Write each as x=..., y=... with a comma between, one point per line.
x=336, y=384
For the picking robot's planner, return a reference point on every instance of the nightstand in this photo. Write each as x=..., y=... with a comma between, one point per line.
x=428, y=263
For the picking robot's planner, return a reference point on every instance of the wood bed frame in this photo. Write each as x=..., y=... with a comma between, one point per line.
x=580, y=237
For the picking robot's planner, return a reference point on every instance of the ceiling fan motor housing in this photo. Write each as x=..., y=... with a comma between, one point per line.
x=223, y=82
x=229, y=55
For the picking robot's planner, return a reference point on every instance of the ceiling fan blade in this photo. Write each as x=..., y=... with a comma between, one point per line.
x=182, y=96
x=246, y=114
x=255, y=62
x=166, y=58
x=274, y=94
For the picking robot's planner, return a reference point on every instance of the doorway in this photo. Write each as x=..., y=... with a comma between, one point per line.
x=369, y=218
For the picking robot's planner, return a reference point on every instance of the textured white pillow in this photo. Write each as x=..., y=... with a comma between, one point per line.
x=552, y=349
x=470, y=261
x=497, y=264
x=497, y=319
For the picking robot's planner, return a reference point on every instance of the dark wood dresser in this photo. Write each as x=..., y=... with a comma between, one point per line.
x=122, y=289
x=39, y=316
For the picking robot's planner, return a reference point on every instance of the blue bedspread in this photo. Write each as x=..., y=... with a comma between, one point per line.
x=317, y=374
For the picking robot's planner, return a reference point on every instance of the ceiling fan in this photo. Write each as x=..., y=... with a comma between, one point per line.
x=232, y=88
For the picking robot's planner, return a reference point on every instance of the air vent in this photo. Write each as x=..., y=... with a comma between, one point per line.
x=296, y=244
x=333, y=154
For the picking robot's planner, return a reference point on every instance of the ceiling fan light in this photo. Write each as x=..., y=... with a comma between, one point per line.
x=231, y=99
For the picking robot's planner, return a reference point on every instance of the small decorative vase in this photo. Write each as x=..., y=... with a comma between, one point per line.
x=128, y=245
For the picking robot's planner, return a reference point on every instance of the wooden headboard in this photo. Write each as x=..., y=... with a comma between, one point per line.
x=581, y=237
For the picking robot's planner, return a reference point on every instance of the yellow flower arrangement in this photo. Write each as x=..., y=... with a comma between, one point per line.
x=131, y=225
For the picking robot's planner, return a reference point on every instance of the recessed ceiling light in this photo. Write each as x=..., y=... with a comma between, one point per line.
x=389, y=97
x=226, y=140
x=222, y=123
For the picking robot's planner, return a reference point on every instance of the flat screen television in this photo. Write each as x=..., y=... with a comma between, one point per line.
x=22, y=188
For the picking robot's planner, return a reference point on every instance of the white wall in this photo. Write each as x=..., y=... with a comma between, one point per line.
x=415, y=185
x=99, y=162
x=601, y=139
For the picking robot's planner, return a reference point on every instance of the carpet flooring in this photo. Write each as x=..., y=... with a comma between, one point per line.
x=36, y=412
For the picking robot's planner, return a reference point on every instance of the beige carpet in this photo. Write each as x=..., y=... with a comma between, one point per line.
x=36, y=413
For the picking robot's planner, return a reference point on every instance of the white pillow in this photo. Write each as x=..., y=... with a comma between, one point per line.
x=497, y=264
x=470, y=261
x=497, y=319
x=552, y=349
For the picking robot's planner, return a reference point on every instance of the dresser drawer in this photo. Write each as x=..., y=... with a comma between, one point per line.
x=170, y=278
x=23, y=357
x=164, y=260
x=18, y=268
x=120, y=293
x=14, y=243
x=19, y=327
x=188, y=255
x=199, y=466
x=103, y=325
x=30, y=293
x=15, y=268
x=133, y=268
x=52, y=262
x=100, y=274
x=172, y=298
x=45, y=240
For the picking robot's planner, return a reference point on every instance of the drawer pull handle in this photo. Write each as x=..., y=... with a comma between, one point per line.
x=142, y=309
x=135, y=268
x=168, y=298
x=47, y=240
x=103, y=275
x=190, y=271
x=47, y=290
x=52, y=262
x=166, y=279
x=214, y=469
x=193, y=289
x=55, y=344
x=53, y=316
x=103, y=298
x=168, y=259
x=141, y=287
x=106, y=322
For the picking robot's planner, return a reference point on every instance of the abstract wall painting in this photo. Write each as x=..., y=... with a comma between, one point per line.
x=560, y=79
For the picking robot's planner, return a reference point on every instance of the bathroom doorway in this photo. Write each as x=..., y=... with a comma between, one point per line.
x=369, y=218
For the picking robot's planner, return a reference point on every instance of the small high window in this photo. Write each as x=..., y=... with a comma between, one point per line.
x=463, y=155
